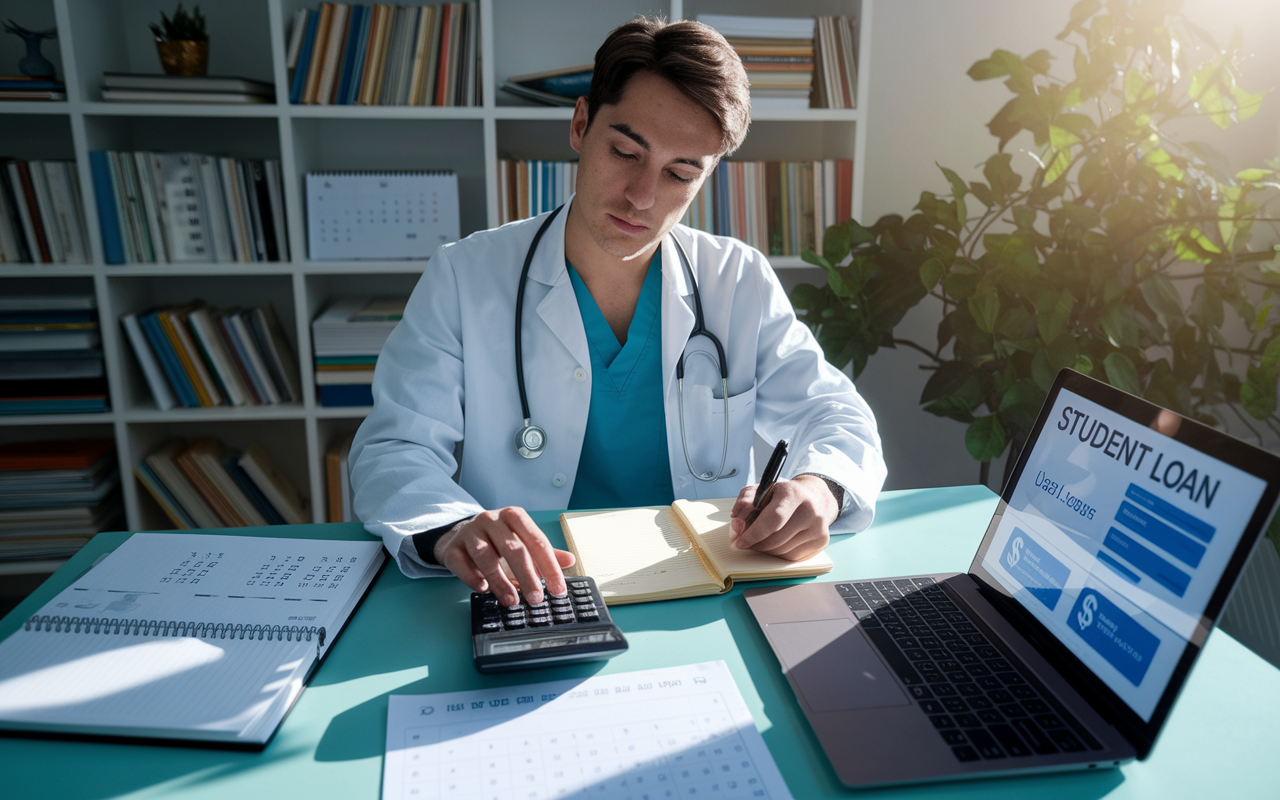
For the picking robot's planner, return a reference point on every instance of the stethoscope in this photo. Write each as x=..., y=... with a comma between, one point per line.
x=531, y=441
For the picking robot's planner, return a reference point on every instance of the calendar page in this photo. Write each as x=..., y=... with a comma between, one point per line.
x=659, y=734
x=195, y=577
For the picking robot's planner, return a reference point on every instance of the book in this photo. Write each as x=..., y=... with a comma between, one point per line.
x=184, y=83
x=68, y=454
x=152, y=96
x=162, y=465
x=273, y=484
x=184, y=636
x=201, y=462
x=638, y=555
x=558, y=87
x=168, y=503
x=337, y=478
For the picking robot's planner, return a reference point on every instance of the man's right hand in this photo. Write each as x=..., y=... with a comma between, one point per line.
x=474, y=552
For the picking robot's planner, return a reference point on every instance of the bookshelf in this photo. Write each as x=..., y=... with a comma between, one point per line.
x=248, y=38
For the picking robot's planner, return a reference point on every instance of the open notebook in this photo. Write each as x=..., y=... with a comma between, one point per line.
x=184, y=636
x=637, y=555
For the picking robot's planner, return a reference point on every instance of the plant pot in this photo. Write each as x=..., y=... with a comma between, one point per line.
x=187, y=58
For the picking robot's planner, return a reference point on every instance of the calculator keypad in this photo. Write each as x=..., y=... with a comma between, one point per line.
x=581, y=604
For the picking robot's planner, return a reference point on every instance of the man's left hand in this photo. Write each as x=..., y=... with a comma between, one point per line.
x=793, y=524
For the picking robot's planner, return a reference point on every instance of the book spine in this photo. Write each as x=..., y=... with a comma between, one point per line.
x=31, y=210
x=252, y=214
x=172, y=324
x=53, y=623
x=128, y=236
x=168, y=360
x=332, y=54
x=297, y=33
x=251, y=491
x=349, y=49
x=108, y=222
x=151, y=205
x=231, y=197
x=219, y=361
x=232, y=336
x=316, y=68
x=298, y=87
x=168, y=504
x=151, y=368
x=262, y=197
x=275, y=198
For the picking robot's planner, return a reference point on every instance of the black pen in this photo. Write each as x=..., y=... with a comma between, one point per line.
x=771, y=472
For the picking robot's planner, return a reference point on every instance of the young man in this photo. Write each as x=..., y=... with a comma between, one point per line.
x=608, y=323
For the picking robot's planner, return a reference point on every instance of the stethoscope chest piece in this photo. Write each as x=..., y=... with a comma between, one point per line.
x=531, y=440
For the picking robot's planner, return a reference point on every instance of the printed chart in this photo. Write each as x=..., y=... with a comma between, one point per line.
x=676, y=732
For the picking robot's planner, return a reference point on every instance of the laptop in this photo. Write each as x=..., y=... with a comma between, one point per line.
x=1112, y=552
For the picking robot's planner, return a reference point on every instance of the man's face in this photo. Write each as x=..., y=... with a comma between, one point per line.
x=642, y=161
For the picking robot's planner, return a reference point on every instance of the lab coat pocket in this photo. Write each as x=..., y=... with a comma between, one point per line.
x=705, y=437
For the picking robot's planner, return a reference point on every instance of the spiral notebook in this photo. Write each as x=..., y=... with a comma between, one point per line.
x=184, y=636
x=380, y=215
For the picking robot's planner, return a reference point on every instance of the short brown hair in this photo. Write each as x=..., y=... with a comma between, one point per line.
x=691, y=56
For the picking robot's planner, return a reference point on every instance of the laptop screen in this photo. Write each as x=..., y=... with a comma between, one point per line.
x=1115, y=537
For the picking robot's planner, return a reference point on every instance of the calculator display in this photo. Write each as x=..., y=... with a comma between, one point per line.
x=555, y=641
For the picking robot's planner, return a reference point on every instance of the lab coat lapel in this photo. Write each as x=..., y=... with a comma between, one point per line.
x=559, y=308
x=677, y=315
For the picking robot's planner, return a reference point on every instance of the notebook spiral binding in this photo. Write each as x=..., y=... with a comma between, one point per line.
x=163, y=628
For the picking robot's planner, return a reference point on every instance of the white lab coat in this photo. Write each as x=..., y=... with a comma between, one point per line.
x=446, y=382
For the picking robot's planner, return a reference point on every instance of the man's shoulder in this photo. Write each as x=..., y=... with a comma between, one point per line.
x=722, y=253
x=494, y=245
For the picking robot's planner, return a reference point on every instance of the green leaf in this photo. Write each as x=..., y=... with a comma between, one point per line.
x=951, y=407
x=1163, y=298
x=1271, y=356
x=1079, y=13
x=1021, y=404
x=1041, y=371
x=1038, y=62
x=1000, y=175
x=1121, y=373
x=1119, y=326
x=959, y=190
x=989, y=68
x=815, y=259
x=1052, y=317
x=1058, y=167
x=985, y=438
x=931, y=272
x=859, y=235
x=836, y=243
x=957, y=378
x=1061, y=138
x=985, y=308
x=1254, y=175
x=1258, y=393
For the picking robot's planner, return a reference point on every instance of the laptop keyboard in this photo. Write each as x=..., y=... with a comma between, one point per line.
x=983, y=706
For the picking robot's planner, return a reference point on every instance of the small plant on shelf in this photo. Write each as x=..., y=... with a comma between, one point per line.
x=183, y=27
x=182, y=42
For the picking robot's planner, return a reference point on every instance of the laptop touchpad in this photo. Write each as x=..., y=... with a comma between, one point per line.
x=833, y=666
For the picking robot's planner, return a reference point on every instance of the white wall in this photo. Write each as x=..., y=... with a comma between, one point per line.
x=924, y=109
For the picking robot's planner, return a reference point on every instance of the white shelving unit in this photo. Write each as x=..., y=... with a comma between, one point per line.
x=248, y=38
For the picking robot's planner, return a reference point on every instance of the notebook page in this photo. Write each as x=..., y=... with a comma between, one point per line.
x=239, y=580
x=709, y=520
x=103, y=681
x=637, y=554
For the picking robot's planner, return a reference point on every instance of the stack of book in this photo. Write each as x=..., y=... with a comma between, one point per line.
x=55, y=496
x=198, y=357
x=50, y=355
x=188, y=207
x=337, y=478
x=528, y=188
x=778, y=53
x=779, y=207
x=348, y=336
x=794, y=62
x=386, y=55
x=205, y=484
x=557, y=87
x=124, y=87
x=23, y=87
x=41, y=213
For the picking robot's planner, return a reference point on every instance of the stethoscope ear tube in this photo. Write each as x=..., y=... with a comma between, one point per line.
x=531, y=441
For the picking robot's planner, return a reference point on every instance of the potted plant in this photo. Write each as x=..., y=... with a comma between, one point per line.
x=182, y=42
x=1124, y=255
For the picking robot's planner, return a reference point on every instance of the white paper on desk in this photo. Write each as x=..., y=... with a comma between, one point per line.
x=673, y=732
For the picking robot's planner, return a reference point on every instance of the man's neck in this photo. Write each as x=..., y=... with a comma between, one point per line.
x=614, y=283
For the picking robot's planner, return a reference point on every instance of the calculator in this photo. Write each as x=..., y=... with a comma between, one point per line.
x=559, y=630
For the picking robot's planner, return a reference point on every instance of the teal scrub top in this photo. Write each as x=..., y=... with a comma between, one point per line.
x=624, y=453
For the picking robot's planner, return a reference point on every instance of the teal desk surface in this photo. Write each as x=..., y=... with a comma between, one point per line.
x=412, y=637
